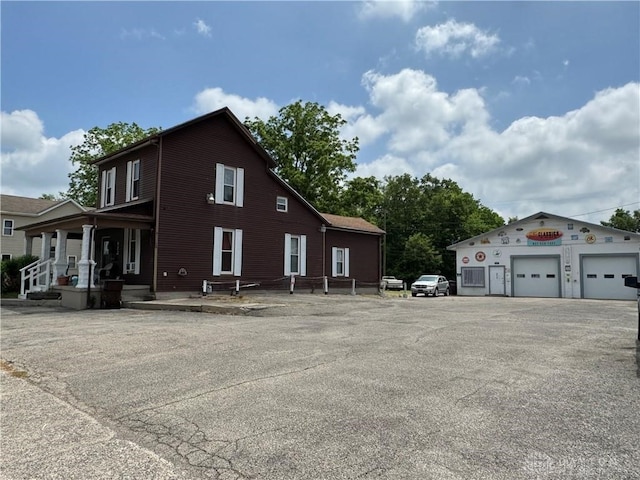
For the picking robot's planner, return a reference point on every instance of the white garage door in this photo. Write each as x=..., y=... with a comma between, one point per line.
x=603, y=277
x=536, y=277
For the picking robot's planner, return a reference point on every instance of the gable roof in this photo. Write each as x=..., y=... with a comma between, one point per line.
x=155, y=138
x=31, y=206
x=541, y=216
x=351, y=223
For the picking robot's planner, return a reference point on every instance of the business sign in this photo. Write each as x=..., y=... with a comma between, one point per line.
x=544, y=237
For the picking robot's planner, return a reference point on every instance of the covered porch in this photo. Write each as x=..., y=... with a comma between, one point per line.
x=111, y=247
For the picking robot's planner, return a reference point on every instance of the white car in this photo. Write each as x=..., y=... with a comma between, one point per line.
x=390, y=282
x=430, y=285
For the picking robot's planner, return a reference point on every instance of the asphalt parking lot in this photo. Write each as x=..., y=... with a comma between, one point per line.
x=325, y=387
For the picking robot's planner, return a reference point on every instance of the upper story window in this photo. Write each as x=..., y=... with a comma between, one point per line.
x=7, y=228
x=229, y=185
x=108, y=191
x=133, y=180
x=282, y=204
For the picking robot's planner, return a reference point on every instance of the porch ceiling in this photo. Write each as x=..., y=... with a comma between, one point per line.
x=74, y=223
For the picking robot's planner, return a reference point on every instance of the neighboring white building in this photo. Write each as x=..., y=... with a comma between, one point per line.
x=546, y=255
x=16, y=212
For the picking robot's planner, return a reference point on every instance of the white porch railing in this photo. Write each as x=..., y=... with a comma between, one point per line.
x=37, y=277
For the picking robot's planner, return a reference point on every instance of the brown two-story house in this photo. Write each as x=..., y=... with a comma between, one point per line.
x=200, y=202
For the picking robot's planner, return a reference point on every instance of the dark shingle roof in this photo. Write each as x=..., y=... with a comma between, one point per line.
x=351, y=223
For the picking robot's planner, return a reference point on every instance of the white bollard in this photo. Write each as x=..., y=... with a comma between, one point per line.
x=325, y=285
x=353, y=286
x=293, y=282
x=237, y=287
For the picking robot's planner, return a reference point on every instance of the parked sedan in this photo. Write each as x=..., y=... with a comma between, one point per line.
x=430, y=285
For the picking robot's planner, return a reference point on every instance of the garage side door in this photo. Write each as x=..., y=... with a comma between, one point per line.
x=603, y=277
x=536, y=277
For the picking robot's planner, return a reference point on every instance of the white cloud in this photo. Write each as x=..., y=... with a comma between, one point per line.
x=33, y=164
x=454, y=39
x=403, y=9
x=521, y=80
x=140, y=33
x=202, y=28
x=582, y=161
x=211, y=99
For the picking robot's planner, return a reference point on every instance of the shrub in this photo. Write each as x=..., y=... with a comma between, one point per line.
x=10, y=272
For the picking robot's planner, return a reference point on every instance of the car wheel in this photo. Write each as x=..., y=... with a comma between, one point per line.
x=446, y=292
x=435, y=292
x=413, y=294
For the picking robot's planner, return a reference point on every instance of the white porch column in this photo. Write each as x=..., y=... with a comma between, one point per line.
x=86, y=264
x=45, y=249
x=60, y=262
x=28, y=245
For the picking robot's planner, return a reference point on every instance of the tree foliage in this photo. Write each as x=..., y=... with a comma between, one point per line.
x=624, y=220
x=304, y=141
x=83, y=182
x=362, y=197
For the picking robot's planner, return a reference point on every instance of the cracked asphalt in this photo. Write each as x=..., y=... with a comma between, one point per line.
x=324, y=387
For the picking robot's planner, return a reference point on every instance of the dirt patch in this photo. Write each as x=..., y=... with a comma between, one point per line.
x=8, y=367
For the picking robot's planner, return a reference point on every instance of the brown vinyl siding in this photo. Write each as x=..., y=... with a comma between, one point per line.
x=364, y=254
x=187, y=221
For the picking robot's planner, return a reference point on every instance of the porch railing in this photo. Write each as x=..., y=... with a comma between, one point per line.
x=36, y=277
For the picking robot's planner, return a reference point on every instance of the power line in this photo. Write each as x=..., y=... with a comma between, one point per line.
x=606, y=209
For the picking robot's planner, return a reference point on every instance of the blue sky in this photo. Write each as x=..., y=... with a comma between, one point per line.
x=528, y=105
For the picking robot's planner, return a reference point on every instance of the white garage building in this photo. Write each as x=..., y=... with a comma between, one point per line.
x=546, y=255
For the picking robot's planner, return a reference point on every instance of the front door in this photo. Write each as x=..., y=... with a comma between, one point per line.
x=496, y=280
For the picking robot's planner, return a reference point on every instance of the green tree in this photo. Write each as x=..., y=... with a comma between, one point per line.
x=51, y=196
x=624, y=220
x=304, y=140
x=419, y=257
x=362, y=197
x=83, y=182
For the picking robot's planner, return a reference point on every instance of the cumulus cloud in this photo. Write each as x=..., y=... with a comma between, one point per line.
x=211, y=99
x=33, y=164
x=455, y=39
x=403, y=9
x=202, y=28
x=582, y=161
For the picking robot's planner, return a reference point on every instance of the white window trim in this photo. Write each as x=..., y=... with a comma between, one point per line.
x=10, y=255
x=469, y=274
x=334, y=262
x=302, y=254
x=75, y=261
x=12, y=227
x=131, y=180
x=238, y=190
x=282, y=202
x=105, y=187
x=236, y=260
x=131, y=234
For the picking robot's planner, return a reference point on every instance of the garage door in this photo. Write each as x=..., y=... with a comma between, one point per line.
x=603, y=276
x=536, y=276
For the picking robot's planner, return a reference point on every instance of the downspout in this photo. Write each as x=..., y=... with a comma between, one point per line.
x=323, y=229
x=154, y=285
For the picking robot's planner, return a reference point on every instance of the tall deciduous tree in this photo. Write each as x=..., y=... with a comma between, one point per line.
x=304, y=140
x=362, y=197
x=83, y=182
x=624, y=220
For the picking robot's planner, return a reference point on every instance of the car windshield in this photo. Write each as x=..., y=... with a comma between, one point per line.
x=428, y=278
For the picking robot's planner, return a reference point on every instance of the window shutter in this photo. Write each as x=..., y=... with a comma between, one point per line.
x=237, y=253
x=239, y=187
x=303, y=255
x=287, y=254
x=334, y=261
x=346, y=262
x=103, y=189
x=219, y=184
x=217, y=250
x=129, y=181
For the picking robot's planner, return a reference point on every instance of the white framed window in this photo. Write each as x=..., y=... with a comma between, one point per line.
x=131, y=251
x=108, y=191
x=227, y=251
x=6, y=256
x=72, y=261
x=133, y=180
x=339, y=262
x=295, y=254
x=229, y=185
x=472, y=276
x=7, y=228
x=282, y=204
